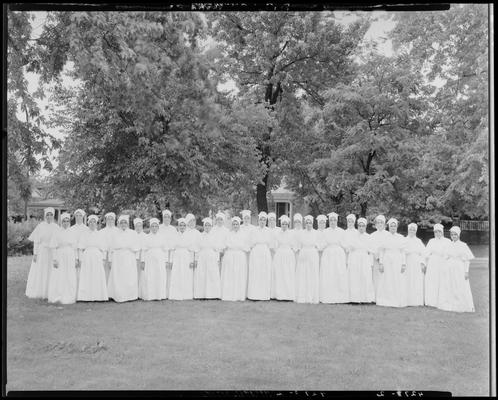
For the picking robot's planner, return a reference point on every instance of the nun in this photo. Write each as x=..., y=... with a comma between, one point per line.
x=349, y=235
x=378, y=237
x=42, y=263
x=169, y=234
x=182, y=270
x=415, y=250
x=334, y=280
x=436, y=254
x=108, y=234
x=92, y=281
x=62, y=283
x=274, y=229
x=392, y=285
x=123, y=277
x=360, y=262
x=234, y=264
x=78, y=229
x=308, y=264
x=152, y=282
x=207, y=277
x=454, y=289
x=260, y=270
x=284, y=262
x=138, y=226
x=298, y=222
x=220, y=231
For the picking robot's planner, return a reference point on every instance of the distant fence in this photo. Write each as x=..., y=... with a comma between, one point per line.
x=466, y=225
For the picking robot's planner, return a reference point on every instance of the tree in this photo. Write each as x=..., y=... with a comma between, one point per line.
x=360, y=154
x=28, y=143
x=147, y=125
x=452, y=47
x=269, y=54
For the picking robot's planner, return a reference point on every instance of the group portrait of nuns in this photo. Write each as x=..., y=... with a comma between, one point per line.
x=256, y=262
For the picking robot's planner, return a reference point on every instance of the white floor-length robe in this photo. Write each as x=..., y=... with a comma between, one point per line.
x=92, y=281
x=308, y=267
x=108, y=234
x=392, y=284
x=259, y=270
x=182, y=274
x=78, y=230
x=141, y=238
x=415, y=251
x=284, y=266
x=152, y=282
x=436, y=253
x=169, y=234
x=360, y=262
x=334, y=278
x=274, y=232
x=454, y=291
x=62, y=284
x=207, y=275
x=123, y=277
x=378, y=238
x=234, y=267
x=39, y=272
x=221, y=233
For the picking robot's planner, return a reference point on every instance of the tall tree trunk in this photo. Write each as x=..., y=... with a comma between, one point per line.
x=272, y=95
x=363, y=212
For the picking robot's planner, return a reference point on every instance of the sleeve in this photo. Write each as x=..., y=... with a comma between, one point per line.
x=35, y=238
x=403, y=250
x=196, y=247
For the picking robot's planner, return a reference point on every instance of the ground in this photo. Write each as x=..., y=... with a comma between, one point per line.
x=217, y=345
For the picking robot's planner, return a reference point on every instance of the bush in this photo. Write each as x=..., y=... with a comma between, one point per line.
x=17, y=237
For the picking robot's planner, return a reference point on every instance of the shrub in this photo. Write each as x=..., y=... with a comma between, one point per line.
x=17, y=237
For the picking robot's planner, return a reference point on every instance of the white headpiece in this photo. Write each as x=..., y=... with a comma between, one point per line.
x=153, y=221
x=321, y=217
x=272, y=215
x=124, y=217
x=167, y=212
x=263, y=214
x=49, y=210
x=333, y=215
x=362, y=221
x=351, y=217
x=138, y=221
x=284, y=218
x=93, y=217
x=219, y=214
x=438, y=227
x=207, y=220
x=392, y=220
x=298, y=217
x=110, y=214
x=245, y=212
x=182, y=221
x=236, y=219
x=65, y=215
x=189, y=217
x=80, y=211
x=380, y=218
x=413, y=225
x=308, y=218
x=456, y=229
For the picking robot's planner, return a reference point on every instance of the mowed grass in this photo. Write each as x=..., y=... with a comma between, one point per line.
x=217, y=345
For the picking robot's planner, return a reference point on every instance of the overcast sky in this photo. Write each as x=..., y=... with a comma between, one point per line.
x=380, y=26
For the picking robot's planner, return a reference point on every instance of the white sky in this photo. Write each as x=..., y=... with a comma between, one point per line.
x=380, y=26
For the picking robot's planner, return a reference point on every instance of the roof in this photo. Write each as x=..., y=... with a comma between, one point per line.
x=46, y=203
x=281, y=194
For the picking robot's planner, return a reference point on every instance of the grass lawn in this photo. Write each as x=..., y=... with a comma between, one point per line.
x=217, y=345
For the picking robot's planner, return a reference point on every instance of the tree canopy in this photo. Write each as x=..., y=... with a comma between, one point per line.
x=345, y=127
